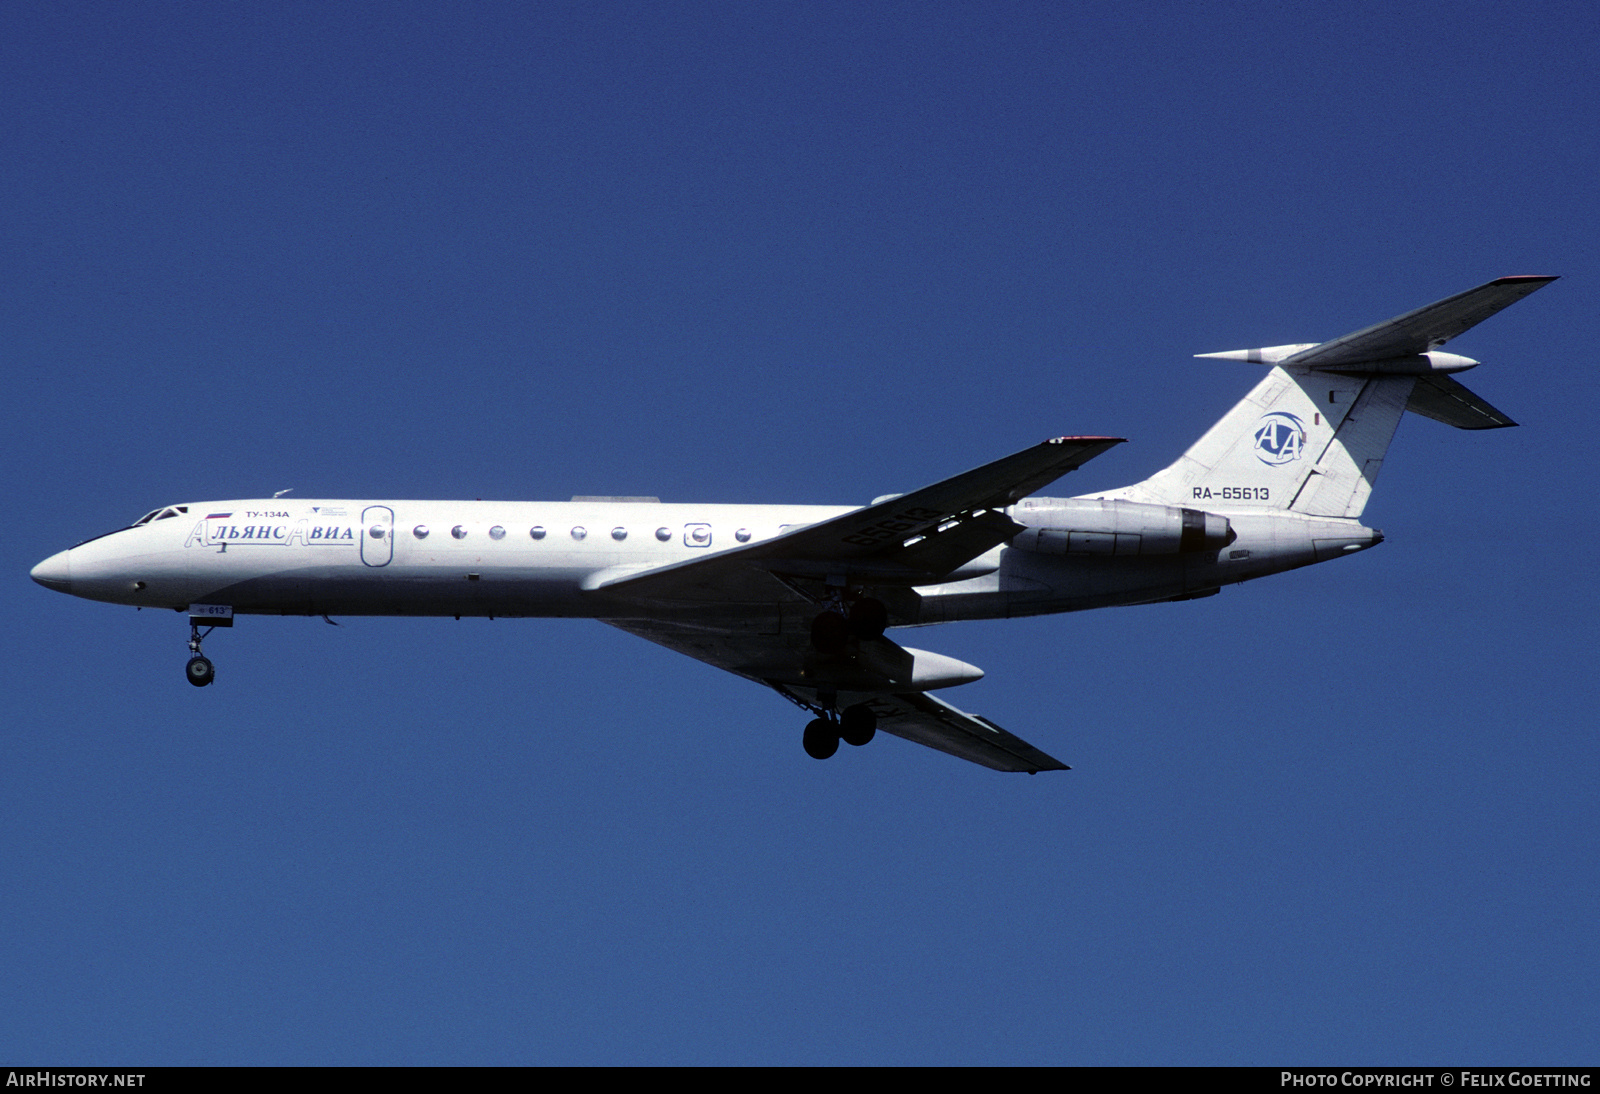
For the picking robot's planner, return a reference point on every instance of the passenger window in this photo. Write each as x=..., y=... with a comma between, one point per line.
x=459, y=531
x=497, y=532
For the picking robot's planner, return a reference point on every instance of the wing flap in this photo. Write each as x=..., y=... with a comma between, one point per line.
x=944, y=551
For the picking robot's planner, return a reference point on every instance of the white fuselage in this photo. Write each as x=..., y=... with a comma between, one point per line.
x=489, y=558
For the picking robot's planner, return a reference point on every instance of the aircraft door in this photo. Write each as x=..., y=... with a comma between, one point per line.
x=377, y=535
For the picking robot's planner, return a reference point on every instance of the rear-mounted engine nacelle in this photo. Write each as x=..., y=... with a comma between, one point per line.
x=1076, y=526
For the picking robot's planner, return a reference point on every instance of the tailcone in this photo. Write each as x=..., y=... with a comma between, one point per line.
x=1344, y=543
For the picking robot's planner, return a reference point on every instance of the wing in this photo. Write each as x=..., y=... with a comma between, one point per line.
x=1422, y=330
x=743, y=610
x=911, y=539
x=919, y=717
x=880, y=674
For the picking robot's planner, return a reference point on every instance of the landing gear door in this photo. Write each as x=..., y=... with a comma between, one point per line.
x=377, y=535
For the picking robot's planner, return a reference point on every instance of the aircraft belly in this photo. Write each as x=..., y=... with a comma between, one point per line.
x=360, y=590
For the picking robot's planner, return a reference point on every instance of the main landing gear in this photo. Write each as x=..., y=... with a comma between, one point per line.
x=855, y=725
x=200, y=671
x=846, y=617
x=862, y=618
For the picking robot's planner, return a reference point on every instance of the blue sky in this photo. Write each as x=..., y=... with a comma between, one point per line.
x=791, y=253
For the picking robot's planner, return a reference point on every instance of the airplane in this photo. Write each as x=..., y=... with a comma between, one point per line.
x=799, y=598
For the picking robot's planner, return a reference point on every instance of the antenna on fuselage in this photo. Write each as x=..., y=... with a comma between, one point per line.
x=281, y=493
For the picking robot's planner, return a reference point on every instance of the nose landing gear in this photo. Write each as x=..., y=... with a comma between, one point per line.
x=200, y=671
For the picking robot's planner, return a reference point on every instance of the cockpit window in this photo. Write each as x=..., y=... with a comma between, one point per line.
x=160, y=514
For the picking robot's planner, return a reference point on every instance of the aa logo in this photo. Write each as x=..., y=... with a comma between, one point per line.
x=1280, y=438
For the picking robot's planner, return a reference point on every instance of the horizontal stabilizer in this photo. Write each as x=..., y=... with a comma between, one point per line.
x=1417, y=332
x=1445, y=400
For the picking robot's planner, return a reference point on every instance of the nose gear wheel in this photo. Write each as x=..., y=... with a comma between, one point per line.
x=199, y=671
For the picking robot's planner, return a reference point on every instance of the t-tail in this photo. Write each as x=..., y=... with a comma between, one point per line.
x=1310, y=438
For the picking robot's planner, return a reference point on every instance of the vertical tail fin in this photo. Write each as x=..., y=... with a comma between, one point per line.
x=1305, y=441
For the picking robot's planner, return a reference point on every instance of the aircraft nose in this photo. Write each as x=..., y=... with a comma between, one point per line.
x=55, y=572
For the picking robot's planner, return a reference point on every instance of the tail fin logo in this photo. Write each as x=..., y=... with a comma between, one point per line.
x=1280, y=438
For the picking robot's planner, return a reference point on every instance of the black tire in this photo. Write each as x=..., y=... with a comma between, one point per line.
x=868, y=617
x=200, y=671
x=821, y=739
x=829, y=633
x=858, y=725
